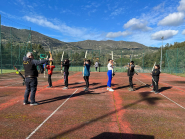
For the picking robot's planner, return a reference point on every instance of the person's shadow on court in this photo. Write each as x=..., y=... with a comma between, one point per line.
x=67, y=96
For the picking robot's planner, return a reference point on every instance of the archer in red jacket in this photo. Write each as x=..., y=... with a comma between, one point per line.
x=50, y=71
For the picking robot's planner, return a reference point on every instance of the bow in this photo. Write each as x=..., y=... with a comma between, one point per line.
x=84, y=61
x=62, y=60
x=50, y=61
x=112, y=65
x=152, y=71
x=20, y=74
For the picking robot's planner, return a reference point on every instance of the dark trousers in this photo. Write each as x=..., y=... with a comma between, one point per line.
x=49, y=80
x=86, y=78
x=66, y=74
x=155, y=85
x=31, y=85
x=96, y=68
x=41, y=69
x=130, y=81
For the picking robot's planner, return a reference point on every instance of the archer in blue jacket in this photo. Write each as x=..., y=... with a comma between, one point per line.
x=86, y=73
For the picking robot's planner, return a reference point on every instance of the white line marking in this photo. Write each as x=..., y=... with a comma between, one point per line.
x=50, y=116
x=165, y=96
x=172, y=101
x=11, y=84
x=4, y=79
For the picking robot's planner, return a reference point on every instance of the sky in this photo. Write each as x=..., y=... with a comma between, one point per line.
x=142, y=21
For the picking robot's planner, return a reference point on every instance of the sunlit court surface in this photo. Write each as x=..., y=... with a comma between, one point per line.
x=97, y=113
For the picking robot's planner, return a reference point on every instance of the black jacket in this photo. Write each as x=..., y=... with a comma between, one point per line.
x=130, y=71
x=30, y=66
x=66, y=67
x=155, y=74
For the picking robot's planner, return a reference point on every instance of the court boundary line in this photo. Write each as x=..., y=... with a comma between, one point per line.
x=164, y=96
x=175, y=87
x=51, y=114
x=11, y=84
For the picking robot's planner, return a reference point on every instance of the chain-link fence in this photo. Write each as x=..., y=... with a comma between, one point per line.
x=121, y=59
x=13, y=43
x=175, y=60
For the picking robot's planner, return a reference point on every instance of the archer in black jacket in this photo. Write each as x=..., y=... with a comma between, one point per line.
x=155, y=78
x=130, y=73
x=31, y=74
x=66, y=72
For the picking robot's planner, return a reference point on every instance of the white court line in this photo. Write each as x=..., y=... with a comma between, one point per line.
x=9, y=79
x=50, y=115
x=165, y=96
x=11, y=84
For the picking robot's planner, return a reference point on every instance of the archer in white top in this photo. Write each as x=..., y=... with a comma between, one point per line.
x=109, y=74
x=110, y=66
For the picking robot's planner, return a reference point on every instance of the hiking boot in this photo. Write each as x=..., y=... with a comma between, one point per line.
x=25, y=103
x=34, y=104
x=65, y=88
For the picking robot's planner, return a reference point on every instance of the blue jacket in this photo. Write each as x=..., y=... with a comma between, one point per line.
x=86, y=70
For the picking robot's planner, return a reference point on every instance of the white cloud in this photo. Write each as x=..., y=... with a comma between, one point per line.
x=78, y=33
x=174, y=19
x=159, y=7
x=183, y=32
x=166, y=33
x=117, y=12
x=136, y=24
x=117, y=34
x=181, y=7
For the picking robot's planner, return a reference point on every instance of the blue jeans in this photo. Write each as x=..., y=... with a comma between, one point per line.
x=31, y=85
x=109, y=74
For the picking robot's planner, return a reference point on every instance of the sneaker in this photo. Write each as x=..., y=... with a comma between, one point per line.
x=25, y=103
x=110, y=89
x=65, y=88
x=86, y=89
x=156, y=92
x=131, y=89
x=107, y=88
x=152, y=91
x=49, y=86
x=34, y=104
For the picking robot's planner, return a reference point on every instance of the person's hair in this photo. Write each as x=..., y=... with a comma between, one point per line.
x=29, y=54
x=157, y=66
x=109, y=60
x=67, y=61
x=89, y=62
x=132, y=62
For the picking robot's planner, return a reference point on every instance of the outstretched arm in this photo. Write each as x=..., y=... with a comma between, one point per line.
x=39, y=62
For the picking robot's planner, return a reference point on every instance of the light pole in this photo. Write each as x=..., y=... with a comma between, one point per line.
x=161, y=53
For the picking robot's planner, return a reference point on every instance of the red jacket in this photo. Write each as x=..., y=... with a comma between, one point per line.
x=50, y=71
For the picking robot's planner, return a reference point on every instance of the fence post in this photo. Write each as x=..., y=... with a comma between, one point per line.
x=19, y=55
x=11, y=44
x=143, y=62
x=0, y=45
x=31, y=40
x=99, y=59
x=121, y=61
x=177, y=61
